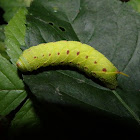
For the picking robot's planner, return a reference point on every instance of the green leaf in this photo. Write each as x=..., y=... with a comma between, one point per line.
x=135, y=4
x=2, y=35
x=25, y=118
x=112, y=27
x=2, y=44
x=28, y=2
x=12, y=91
x=3, y=50
x=26, y=124
x=12, y=6
x=15, y=34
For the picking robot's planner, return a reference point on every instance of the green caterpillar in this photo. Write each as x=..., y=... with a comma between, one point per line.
x=71, y=53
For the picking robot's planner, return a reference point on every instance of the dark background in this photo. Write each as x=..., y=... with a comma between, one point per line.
x=1, y=17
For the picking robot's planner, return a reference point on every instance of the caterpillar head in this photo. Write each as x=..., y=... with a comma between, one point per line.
x=21, y=65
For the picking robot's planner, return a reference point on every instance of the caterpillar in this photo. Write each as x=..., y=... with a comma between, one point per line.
x=71, y=53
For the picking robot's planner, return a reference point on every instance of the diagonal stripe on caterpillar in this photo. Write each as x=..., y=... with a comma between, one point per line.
x=71, y=53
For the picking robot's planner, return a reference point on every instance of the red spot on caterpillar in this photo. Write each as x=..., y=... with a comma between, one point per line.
x=95, y=62
x=78, y=53
x=35, y=57
x=58, y=53
x=68, y=51
x=86, y=57
x=104, y=70
x=49, y=54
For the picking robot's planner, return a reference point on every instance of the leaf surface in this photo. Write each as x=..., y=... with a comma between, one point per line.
x=12, y=6
x=12, y=91
x=15, y=34
x=2, y=44
x=112, y=28
x=135, y=4
x=25, y=117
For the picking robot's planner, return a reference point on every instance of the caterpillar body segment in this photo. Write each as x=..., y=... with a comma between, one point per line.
x=71, y=53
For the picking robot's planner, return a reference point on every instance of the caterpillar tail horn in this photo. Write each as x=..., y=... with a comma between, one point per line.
x=119, y=72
